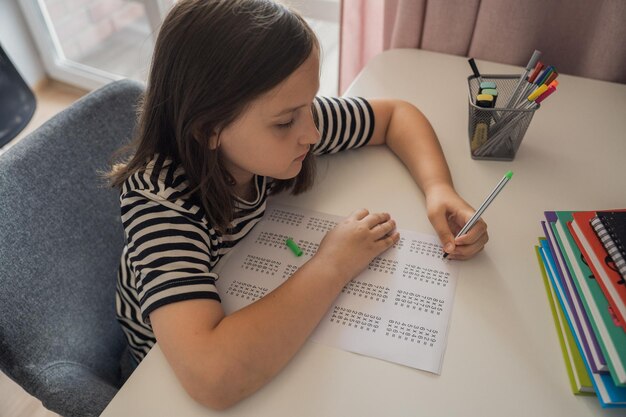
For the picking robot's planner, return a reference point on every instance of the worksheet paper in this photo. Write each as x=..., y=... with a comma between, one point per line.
x=398, y=309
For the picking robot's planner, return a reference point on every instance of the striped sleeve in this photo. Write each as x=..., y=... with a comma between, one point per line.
x=169, y=253
x=344, y=123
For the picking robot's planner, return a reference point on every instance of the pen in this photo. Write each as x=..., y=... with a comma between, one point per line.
x=533, y=96
x=538, y=68
x=472, y=221
x=541, y=78
x=532, y=78
x=506, y=120
x=475, y=70
x=527, y=104
x=500, y=130
x=546, y=77
x=511, y=123
x=541, y=95
x=531, y=64
x=551, y=78
x=545, y=95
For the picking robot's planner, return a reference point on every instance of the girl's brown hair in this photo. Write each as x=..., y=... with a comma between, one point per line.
x=211, y=59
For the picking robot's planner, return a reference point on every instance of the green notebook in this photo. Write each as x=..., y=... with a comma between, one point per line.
x=578, y=376
x=612, y=339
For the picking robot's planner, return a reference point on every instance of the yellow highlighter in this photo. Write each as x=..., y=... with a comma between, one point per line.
x=479, y=137
x=539, y=91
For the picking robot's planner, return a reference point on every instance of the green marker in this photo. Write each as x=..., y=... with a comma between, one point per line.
x=472, y=221
x=294, y=247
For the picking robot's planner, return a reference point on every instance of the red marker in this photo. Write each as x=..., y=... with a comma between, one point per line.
x=536, y=71
x=545, y=95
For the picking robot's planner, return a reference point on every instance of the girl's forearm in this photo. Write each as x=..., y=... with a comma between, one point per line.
x=247, y=348
x=223, y=359
x=411, y=137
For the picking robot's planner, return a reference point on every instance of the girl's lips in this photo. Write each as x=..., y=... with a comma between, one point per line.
x=301, y=157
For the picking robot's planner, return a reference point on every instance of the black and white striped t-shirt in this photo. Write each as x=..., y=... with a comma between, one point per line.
x=171, y=248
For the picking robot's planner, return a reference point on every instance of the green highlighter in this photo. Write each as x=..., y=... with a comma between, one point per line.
x=486, y=85
x=294, y=247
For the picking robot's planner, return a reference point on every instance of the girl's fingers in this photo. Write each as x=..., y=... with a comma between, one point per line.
x=374, y=219
x=383, y=229
x=445, y=230
x=474, y=234
x=389, y=240
x=359, y=214
x=468, y=250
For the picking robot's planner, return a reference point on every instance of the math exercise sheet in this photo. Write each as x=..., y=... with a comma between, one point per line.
x=398, y=309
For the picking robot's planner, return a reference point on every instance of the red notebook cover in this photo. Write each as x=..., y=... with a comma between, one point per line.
x=600, y=263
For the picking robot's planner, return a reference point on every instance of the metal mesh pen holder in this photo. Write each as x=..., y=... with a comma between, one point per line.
x=496, y=133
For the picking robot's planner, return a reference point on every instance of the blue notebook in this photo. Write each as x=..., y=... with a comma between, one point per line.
x=610, y=395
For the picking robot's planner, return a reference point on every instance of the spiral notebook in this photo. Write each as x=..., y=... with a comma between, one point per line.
x=610, y=226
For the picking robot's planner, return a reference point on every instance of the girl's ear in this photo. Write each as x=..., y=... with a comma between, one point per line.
x=214, y=140
x=201, y=135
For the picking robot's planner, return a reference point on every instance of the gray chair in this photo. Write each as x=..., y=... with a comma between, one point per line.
x=60, y=245
x=17, y=101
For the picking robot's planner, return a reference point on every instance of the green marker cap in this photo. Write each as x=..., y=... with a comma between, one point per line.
x=294, y=247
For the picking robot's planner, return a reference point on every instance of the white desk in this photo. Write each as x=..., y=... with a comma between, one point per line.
x=503, y=356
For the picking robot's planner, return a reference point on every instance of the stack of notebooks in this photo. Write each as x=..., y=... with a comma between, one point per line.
x=583, y=262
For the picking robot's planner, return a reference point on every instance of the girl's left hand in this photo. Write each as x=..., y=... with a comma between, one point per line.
x=448, y=213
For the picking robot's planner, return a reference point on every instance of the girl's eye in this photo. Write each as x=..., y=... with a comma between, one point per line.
x=285, y=125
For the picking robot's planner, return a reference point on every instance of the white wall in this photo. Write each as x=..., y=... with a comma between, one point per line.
x=18, y=43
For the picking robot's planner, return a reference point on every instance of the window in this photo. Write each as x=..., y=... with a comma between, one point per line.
x=89, y=43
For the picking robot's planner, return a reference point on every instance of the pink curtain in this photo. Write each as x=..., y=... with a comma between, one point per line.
x=366, y=27
x=578, y=37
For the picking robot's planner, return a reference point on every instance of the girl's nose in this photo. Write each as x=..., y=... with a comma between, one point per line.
x=311, y=135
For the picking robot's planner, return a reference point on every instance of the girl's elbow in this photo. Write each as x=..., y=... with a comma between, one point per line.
x=213, y=400
x=214, y=389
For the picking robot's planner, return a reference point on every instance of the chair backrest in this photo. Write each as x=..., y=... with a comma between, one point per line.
x=60, y=245
x=17, y=101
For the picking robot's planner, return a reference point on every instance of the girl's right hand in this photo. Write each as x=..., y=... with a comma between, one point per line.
x=356, y=241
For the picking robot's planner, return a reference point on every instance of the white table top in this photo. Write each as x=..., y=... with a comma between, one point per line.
x=503, y=355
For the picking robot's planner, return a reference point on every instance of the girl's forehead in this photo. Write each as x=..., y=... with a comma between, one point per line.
x=297, y=89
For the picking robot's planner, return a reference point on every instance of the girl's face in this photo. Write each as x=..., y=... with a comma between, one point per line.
x=275, y=133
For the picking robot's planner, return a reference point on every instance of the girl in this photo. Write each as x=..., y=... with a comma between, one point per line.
x=229, y=117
